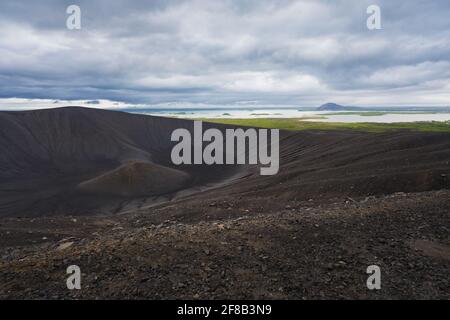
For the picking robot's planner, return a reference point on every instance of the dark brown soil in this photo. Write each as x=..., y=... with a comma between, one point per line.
x=304, y=251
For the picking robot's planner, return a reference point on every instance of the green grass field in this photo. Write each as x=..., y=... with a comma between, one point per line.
x=298, y=124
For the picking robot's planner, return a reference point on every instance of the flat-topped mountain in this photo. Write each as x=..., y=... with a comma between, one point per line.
x=331, y=107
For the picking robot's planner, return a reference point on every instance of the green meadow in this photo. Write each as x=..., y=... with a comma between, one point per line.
x=300, y=124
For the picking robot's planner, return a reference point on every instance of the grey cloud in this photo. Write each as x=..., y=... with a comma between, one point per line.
x=274, y=52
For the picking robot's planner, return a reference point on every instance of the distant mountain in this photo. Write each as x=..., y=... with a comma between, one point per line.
x=331, y=107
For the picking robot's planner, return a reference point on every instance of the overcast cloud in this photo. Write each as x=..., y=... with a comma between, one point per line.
x=226, y=52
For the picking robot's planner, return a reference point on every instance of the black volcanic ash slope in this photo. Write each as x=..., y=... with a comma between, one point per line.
x=88, y=161
x=79, y=161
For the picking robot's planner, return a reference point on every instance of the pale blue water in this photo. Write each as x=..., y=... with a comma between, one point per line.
x=389, y=118
x=306, y=114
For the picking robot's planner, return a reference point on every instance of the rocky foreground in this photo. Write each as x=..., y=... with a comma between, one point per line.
x=236, y=249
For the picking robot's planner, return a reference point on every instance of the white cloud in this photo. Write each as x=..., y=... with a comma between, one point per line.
x=270, y=82
x=408, y=75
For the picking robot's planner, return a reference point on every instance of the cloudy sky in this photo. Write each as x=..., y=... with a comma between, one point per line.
x=225, y=52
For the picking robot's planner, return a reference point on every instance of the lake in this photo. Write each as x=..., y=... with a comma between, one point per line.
x=308, y=115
